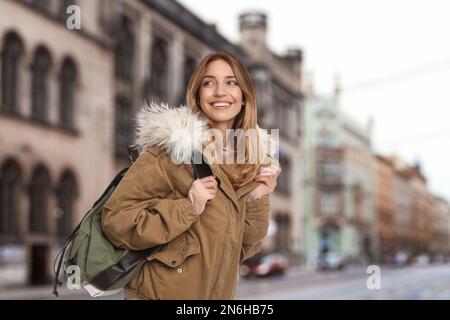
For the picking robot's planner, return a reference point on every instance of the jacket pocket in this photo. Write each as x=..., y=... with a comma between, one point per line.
x=173, y=257
x=170, y=273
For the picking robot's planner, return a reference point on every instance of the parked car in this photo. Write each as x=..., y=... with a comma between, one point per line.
x=330, y=261
x=438, y=258
x=265, y=264
x=422, y=259
x=401, y=258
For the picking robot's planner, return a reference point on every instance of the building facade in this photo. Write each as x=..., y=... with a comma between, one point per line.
x=421, y=218
x=277, y=81
x=385, y=206
x=442, y=227
x=55, y=128
x=338, y=183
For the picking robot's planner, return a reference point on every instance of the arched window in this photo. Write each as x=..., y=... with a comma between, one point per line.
x=124, y=51
x=11, y=55
x=123, y=116
x=62, y=9
x=40, y=84
x=66, y=195
x=284, y=180
x=159, y=68
x=41, y=5
x=283, y=233
x=67, y=78
x=10, y=183
x=189, y=66
x=39, y=200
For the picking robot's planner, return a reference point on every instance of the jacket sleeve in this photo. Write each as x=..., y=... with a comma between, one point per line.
x=256, y=226
x=138, y=215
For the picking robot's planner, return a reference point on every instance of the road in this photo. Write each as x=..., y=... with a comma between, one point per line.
x=409, y=283
x=413, y=282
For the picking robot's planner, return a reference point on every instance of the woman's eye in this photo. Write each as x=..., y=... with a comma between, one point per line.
x=207, y=83
x=232, y=82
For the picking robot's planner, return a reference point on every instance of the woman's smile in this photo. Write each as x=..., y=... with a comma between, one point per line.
x=221, y=104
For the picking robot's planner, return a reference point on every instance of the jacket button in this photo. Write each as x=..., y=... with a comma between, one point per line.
x=180, y=270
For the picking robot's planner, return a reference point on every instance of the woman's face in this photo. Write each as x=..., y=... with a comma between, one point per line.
x=220, y=95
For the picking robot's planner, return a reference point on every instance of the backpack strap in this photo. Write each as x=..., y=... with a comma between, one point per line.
x=201, y=169
x=106, y=278
x=60, y=256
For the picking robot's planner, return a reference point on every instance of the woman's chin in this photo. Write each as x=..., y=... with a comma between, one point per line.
x=217, y=117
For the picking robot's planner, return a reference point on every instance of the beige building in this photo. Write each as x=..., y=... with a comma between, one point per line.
x=385, y=208
x=55, y=130
x=442, y=227
x=421, y=219
x=67, y=101
x=403, y=204
x=277, y=80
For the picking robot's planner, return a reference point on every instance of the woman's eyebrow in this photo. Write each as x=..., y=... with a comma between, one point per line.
x=209, y=76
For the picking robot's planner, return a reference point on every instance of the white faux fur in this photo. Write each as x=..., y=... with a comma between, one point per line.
x=177, y=131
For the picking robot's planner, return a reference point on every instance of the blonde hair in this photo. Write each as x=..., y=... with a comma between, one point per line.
x=245, y=120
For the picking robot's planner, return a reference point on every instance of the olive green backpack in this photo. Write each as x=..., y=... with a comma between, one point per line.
x=104, y=269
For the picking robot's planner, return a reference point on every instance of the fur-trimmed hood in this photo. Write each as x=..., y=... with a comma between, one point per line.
x=178, y=131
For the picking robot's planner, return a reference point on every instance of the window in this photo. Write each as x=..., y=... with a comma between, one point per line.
x=288, y=120
x=329, y=203
x=329, y=171
x=62, y=10
x=11, y=56
x=282, y=237
x=10, y=182
x=159, y=71
x=67, y=78
x=280, y=115
x=284, y=180
x=263, y=91
x=189, y=66
x=325, y=138
x=122, y=126
x=39, y=201
x=40, y=5
x=40, y=84
x=124, y=51
x=66, y=195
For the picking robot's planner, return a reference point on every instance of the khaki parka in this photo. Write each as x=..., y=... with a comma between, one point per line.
x=198, y=256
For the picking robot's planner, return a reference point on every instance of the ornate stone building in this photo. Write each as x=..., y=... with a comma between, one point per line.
x=338, y=183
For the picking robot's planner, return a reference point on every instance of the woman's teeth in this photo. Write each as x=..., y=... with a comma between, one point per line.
x=221, y=105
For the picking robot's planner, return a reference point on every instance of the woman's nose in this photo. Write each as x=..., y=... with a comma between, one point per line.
x=220, y=90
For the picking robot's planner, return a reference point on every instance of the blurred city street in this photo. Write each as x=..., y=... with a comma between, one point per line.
x=412, y=282
x=354, y=96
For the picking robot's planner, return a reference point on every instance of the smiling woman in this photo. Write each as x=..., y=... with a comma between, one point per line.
x=204, y=228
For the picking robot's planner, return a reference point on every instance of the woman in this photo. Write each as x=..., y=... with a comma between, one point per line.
x=204, y=227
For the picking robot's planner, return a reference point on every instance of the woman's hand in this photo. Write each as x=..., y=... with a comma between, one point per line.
x=201, y=191
x=268, y=178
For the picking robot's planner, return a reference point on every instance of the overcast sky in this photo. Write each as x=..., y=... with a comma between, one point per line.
x=393, y=59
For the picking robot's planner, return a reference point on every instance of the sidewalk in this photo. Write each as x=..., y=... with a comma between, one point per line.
x=45, y=293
